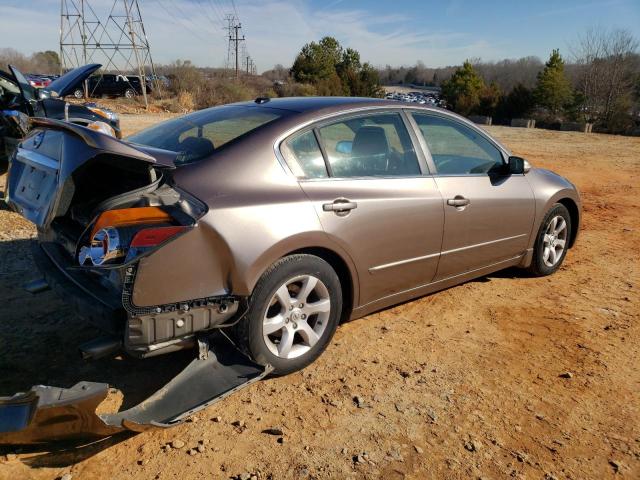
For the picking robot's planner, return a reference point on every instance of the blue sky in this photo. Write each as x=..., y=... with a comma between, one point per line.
x=398, y=33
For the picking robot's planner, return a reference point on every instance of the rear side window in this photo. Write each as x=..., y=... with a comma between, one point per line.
x=199, y=134
x=304, y=157
x=457, y=149
x=370, y=146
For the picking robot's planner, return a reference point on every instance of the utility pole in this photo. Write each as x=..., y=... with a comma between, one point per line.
x=248, y=62
x=236, y=40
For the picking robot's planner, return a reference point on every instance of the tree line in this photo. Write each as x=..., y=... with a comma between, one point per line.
x=47, y=62
x=600, y=85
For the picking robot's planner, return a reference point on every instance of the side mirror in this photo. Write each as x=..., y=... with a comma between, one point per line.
x=518, y=166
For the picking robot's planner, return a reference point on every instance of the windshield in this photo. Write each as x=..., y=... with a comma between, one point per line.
x=199, y=134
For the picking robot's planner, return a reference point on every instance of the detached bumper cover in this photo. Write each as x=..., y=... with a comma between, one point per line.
x=48, y=414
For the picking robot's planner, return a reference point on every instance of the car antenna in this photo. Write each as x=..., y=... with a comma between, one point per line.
x=261, y=100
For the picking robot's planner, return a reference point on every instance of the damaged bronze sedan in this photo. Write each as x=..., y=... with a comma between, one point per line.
x=272, y=220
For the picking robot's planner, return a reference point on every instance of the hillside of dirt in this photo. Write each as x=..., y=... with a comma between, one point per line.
x=503, y=377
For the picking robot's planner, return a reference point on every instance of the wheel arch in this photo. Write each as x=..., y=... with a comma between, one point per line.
x=574, y=213
x=340, y=266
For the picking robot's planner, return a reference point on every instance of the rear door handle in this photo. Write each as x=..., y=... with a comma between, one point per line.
x=339, y=205
x=458, y=201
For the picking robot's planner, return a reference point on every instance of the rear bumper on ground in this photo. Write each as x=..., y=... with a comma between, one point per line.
x=49, y=414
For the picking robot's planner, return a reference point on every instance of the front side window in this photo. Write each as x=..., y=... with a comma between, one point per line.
x=303, y=156
x=369, y=146
x=199, y=134
x=457, y=149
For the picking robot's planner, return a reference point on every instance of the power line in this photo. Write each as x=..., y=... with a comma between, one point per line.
x=184, y=17
x=206, y=12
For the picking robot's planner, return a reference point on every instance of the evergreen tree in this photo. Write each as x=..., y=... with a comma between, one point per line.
x=517, y=104
x=463, y=90
x=489, y=99
x=333, y=70
x=553, y=90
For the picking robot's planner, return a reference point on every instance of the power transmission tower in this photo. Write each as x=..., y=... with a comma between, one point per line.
x=120, y=43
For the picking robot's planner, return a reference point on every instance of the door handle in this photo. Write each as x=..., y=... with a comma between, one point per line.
x=458, y=201
x=339, y=205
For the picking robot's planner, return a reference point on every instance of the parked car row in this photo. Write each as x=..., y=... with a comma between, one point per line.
x=421, y=98
x=40, y=81
x=113, y=85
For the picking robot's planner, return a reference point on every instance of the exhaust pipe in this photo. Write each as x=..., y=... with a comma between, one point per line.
x=100, y=347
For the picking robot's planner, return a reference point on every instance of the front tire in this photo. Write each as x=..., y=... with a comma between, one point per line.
x=293, y=312
x=129, y=93
x=78, y=93
x=552, y=241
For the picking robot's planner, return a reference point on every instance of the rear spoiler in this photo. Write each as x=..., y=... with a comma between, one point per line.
x=109, y=144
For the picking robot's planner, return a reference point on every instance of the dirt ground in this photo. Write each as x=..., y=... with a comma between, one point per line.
x=465, y=383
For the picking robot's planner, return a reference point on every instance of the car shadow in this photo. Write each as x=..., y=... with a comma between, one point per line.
x=511, y=272
x=39, y=344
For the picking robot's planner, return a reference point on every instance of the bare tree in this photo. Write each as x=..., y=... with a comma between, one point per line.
x=9, y=56
x=607, y=70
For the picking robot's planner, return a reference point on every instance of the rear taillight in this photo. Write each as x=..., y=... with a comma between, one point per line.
x=130, y=216
x=151, y=237
x=119, y=236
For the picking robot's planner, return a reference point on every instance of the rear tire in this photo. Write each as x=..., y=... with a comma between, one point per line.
x=129, y=93
x=552, y=241
x=293, y=312
x=78, y=93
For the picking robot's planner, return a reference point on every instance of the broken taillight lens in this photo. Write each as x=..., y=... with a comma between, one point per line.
x=122, y=235
x=151, y=237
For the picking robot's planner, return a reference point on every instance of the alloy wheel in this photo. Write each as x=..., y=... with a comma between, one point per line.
x=554, y=241
x=296, y=317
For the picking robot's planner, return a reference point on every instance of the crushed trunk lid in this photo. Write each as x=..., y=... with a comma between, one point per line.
x=48, y=414
x=49, y=155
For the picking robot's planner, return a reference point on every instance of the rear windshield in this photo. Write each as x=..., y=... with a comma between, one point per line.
x=199, y=134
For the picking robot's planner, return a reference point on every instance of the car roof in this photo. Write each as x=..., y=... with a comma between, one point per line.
x=312, y=104
x=305, y=109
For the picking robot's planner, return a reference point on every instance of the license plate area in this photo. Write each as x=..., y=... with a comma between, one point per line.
x=33, y=192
